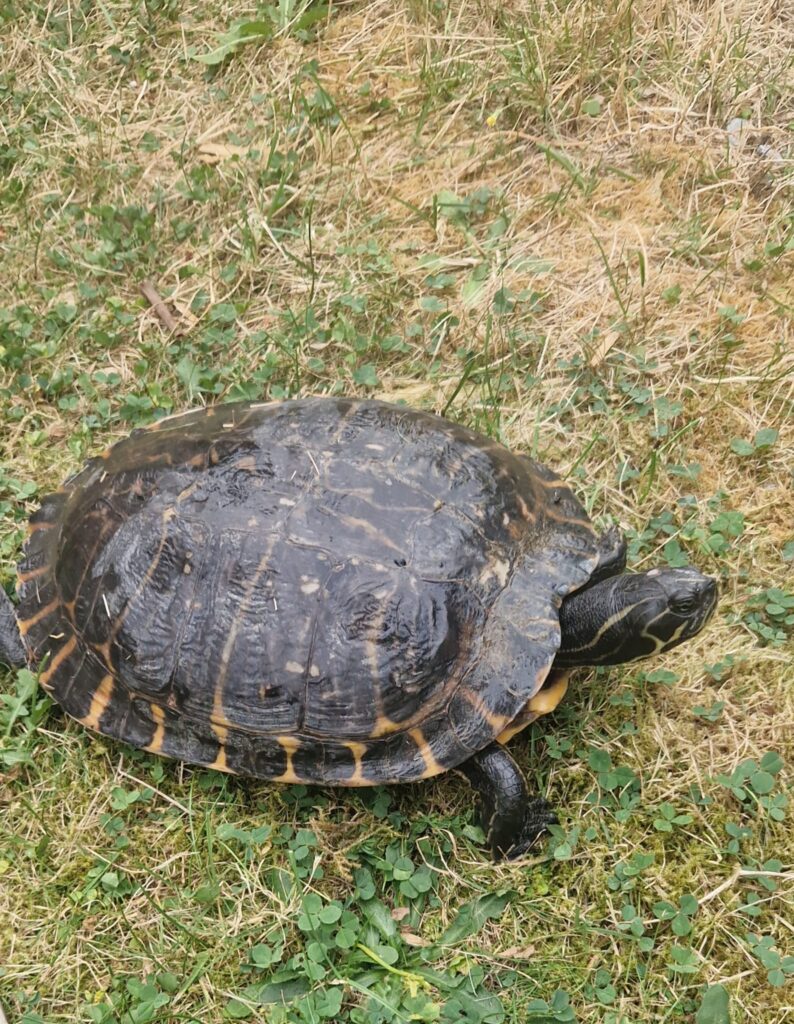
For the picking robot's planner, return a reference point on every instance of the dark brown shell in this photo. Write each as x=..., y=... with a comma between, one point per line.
x=319, y=590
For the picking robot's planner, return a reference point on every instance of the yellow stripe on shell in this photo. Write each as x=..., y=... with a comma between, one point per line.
x=33, y=574
x=357, y=750
x=220, y=764
x=432, y=767
x=383, y=726
x=99, y=702
x=156, y=744
x=42, y=613
x=496, y=722
x=36, y=527
x=289, y=745
x=59, y=658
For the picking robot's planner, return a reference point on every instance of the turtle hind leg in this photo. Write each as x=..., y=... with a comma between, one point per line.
x=511, y=820
x=12, y=650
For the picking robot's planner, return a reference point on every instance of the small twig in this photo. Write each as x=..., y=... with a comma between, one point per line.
x=742, y=873
x=152, y=296
x=721, y=888
x=748, y=873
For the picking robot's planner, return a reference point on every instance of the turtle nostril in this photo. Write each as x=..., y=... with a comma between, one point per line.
x=710, y=593
x=705, y=586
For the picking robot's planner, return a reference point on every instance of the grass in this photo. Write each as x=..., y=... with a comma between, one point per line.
x=527, y=216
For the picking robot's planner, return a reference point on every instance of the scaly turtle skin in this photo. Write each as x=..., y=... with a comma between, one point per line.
x=327, y=591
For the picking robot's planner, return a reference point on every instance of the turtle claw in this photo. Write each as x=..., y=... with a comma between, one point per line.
x=538, y=816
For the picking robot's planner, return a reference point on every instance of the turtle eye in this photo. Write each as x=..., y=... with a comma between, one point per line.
x=684, y=605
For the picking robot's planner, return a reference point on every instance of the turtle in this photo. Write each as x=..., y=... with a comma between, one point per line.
x=333, y=591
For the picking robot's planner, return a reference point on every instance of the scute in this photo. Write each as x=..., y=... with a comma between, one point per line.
x=320, y=590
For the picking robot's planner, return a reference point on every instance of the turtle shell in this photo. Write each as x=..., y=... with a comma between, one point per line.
x=322, y=590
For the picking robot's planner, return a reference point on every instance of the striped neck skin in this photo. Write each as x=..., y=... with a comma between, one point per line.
x=634, y=615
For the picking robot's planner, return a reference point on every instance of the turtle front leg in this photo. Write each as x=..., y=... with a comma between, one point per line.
x=512, y=821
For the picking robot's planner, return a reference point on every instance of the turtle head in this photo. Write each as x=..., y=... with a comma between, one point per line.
x=634, y=615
